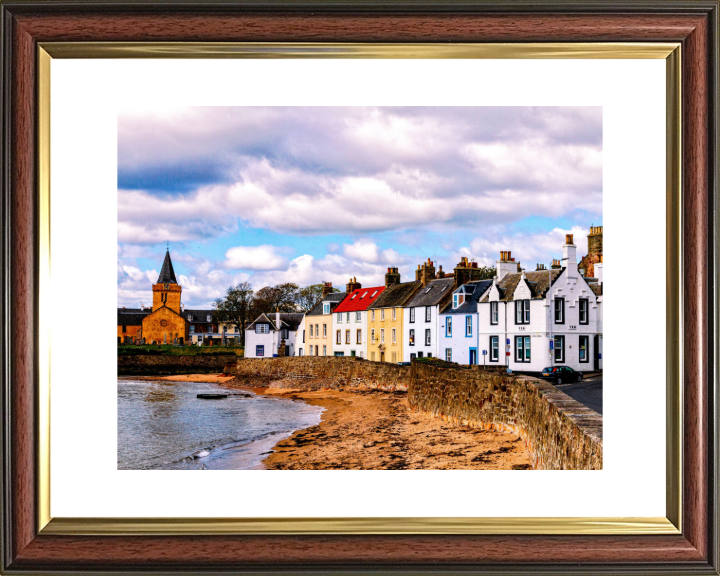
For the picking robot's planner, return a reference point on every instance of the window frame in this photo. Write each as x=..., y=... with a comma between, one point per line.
x=326, y=308
x=382, y=335
x=448, y=354
x=522, y=311
x=338, y=337
x=585, y=301
x=448, y=327
x=468, y=326
x=496, y=349
x=428, y=313
x=559, y=300
x=347, y=336
x=358, y=316
x=358, y=336
x=428, y=337
x=393, y=336
x=382, y=315
x=560, y=348
x=259, y=350
x=411, y=337
x=587, y=349
x=494, y=314
x=412, y=315
x=525, y=348
x=394, y=314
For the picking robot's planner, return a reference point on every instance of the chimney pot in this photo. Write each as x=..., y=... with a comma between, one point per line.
x=568, y=238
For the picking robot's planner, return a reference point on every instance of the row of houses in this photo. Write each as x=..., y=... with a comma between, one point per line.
x=520, y=319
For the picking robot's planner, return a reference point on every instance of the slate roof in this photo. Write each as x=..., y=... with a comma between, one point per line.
x=131, y=316
x=334, y=298
x=199, y=316
x=289, y=320
x=539, y=283
x=479, y=287
x=395, y=295
x=361, y=299
x=432, y=293
x=167, y=274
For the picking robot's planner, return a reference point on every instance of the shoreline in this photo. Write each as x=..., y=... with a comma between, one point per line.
x=376, y=430
x=202, y=378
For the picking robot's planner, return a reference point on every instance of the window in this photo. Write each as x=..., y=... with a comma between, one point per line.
x=373, y=315
x=413, y=356
x=583, y=305
x=259, y=329
x=373, y=294
x=359, y=337
x=494, y=349
x=303, y=336
x=468, y=325
x=559, y=346
x=394, y=341
x=455, y=300
x=192, y=329
x=372, y=356
x=382, y=315
x=284, y=333
x=412, y=337
x=347, y=317
x=260, y=350
x=493, y=313
x=522, y=348
x=317, y=351
x=584, y=345
x=394, y=316
x=382, y=335
x=300, y=351
x=338, y=338
x=522, y=311
x=427, y=313
x=420, y=355
x=559, y=310
x=310, y=349
x=324, y=350
x=326, y=308
x=448, y=326
x=124, y=328
x=209, y=317
x=190, y=317
x=339, y=317
x=311, y=330
x=347, y=336
x=372, y=335
x=358, y=316
x=412, y=314
x=427, y=337
x=317, y=330
x=448, y=354
x=324, y=330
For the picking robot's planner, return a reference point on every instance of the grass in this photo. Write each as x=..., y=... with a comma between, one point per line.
x=150, y=349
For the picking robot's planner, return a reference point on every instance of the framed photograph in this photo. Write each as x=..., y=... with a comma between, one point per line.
x=362, y=246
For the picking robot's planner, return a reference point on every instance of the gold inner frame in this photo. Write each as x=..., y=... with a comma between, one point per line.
x=671, y=524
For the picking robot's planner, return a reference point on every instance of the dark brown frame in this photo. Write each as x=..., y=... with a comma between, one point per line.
x=693, y=23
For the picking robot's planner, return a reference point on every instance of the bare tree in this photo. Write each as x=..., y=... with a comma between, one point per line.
x=235, y=308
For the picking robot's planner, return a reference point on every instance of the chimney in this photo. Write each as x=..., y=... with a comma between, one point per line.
x=599, y=269
x=440, y=273
x=352, y=285
x=506, y=265
x=425, y=272
x=277, y=318
x=392, y=277
x=569, y=259
x=327, y=288
x=555, y=264
x=540, y=267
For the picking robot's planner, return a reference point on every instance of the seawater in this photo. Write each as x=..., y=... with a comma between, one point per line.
x=164, y=426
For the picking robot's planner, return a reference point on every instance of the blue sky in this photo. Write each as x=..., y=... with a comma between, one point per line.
x=310, y=194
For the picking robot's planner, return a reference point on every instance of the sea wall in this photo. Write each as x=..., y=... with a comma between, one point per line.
x=316, y=372
x=170, y=364
x=560, y=433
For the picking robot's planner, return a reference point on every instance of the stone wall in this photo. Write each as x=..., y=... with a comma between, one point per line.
x=560, y=433
x=167, y=364
x=316, y=372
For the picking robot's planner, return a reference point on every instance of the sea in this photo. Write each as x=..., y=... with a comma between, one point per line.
x=163, y=425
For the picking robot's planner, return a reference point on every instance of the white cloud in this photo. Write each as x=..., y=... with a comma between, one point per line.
x=264, y=257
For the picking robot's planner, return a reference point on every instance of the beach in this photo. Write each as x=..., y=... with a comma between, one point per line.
x=374, y=430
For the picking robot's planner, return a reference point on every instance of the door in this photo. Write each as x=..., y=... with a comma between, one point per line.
x=473, y=356
x=596, y=354
x=382, y=356
x=352, y=352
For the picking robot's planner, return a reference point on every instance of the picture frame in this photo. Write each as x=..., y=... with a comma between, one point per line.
x=686, y=540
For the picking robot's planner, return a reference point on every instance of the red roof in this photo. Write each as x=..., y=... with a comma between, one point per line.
x=359, y=300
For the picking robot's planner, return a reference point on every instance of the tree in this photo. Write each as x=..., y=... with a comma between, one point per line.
x=486, y=273
x=282, y=297
x=309, y=296
x=235, y=308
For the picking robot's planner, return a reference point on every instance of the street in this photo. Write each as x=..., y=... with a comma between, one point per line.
x=587, y=392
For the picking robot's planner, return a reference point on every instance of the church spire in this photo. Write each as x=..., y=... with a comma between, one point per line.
x=167, y=274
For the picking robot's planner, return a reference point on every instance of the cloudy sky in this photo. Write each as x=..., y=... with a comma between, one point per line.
x=302, y=194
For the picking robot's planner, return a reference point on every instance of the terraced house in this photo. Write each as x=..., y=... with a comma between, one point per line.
x=386, y=318
x=459, y=336
x=350, y=321
x=531, y=320
x=316, y=329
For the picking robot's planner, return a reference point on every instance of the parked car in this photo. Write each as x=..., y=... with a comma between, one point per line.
x=561, y=374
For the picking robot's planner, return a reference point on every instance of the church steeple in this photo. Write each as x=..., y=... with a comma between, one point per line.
x=167, y=274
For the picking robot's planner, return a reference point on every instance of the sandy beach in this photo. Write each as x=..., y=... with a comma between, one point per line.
x=209, y=378
x=373, y=430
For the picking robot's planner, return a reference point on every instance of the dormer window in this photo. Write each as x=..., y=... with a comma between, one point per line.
x=209, y=317
x=190, y=317
x=326, y=308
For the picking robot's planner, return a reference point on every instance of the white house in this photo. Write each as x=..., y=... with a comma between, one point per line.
x=421, y=318
x=532, y=320
x=264, y=336
x=350, y=320
x=458, y=335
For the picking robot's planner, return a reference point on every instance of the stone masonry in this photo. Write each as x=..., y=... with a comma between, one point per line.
x=560, y=433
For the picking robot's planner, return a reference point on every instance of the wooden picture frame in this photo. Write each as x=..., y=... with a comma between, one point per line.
x=30, y=545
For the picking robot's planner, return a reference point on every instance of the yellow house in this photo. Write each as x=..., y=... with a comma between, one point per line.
x=385, y=319
x=316, y=338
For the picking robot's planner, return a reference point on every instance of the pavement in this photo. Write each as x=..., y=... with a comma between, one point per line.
x=587, y=392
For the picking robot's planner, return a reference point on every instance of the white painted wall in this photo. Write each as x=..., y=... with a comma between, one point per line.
x=271, y=341
x=420, y=325
x=458, y=341
x=353, y=324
